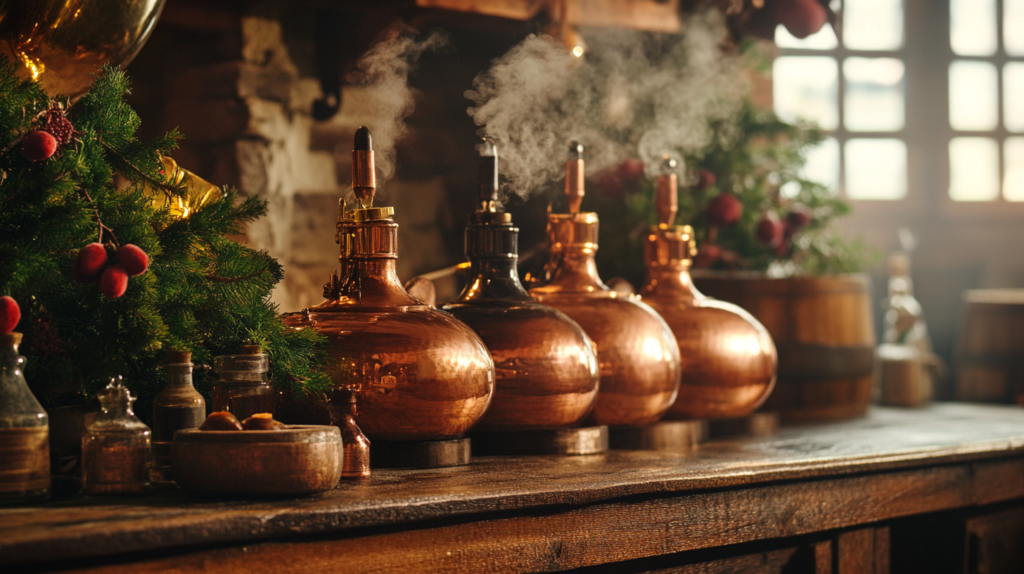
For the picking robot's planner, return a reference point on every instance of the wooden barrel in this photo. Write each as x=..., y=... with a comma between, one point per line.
x=990, y=352
x=823, y=329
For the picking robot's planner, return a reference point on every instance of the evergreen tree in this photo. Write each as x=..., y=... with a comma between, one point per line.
x=203, y=292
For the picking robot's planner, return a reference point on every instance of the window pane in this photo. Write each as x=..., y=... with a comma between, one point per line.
x=972, y=27
x=822, y=166
x=1013, y=158
x=972, y=96
x=1013, y=96
x=873, y=24
x=824, y=39
x=806, y=87
x=876, y=169
x=973, y=169
x=1013, y=27
x=874, y=94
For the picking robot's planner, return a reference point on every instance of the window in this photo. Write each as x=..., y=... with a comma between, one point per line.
x=853, y=86
x=986, y=100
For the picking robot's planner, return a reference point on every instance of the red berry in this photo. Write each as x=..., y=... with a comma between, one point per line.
x=114, y=282
x=724, y=209
x=90, y=263
x=802, y=17
x=708, y=254
x=38, y=145
x=133, y=259
x=770, y=230
x=798, y=218
x=10, y=314
x=705, y=179
x=631, y=169
x=783, y=248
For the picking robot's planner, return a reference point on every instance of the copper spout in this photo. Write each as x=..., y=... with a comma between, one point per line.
x=574, y=186
x=488, y=191
x=364, y=179
x=666, y=198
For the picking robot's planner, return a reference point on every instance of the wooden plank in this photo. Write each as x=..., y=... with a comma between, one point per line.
x=616, y=531
x=822, y=557
x=882, y=550
x=855, y=551
x=888, y=439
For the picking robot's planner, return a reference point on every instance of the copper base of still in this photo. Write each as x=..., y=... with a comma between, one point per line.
x=729, y=359
x=636, y=352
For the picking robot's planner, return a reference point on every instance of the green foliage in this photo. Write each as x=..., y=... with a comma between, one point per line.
x=754, y=156
x=203, y=292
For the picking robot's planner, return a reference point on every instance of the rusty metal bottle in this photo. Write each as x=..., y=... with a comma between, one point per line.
x=355, y=445
x=418, y=373
x=729, y=359
x=637, y=354
x=546, y=369
x=24, y=431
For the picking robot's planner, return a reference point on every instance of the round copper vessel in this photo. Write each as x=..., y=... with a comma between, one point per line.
x=637, y=354
x=729, y=359
x=546, y=369
x=419, y=373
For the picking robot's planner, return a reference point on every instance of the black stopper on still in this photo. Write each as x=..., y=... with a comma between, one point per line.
x=363, y=141
x=488, y=191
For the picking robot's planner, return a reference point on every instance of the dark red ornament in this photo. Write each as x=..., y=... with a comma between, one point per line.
x=708, y=254
x=38, y=145
x=801, y=17
x=770, y=230
x=705, y=179
x=59, y=127
x=114, y=281
x=133, y=259
x=724, y=209
x=10, y=314
x=630, y=169
x=798, y=218
x=90, y=263
x=783, y=249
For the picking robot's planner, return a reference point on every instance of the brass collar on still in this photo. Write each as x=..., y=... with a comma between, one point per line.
x=576, y=231
x=669, y=246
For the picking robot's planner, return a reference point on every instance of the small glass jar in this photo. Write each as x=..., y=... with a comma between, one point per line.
x=178, y=406
x=356, y=457
x=24, y=431
x=242, y=386
x=115, y=447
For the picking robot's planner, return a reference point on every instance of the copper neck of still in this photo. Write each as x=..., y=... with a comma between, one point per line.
x=669, y=249
x=492, y=249
x=369, y=250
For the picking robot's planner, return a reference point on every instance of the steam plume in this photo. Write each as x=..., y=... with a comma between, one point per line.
x=635, y=94
x=385, y=99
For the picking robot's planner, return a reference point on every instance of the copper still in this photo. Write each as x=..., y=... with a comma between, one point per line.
x=418, y=373
x=547, y=373
x=637, y=354
x=729, y=359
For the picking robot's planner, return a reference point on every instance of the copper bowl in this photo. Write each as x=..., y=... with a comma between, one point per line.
x=291, y=461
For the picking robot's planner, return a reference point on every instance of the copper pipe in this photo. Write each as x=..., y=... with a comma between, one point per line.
x=666, y=196
x=574, y=184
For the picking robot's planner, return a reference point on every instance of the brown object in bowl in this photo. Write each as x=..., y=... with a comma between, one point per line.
x=221, y=421
x=290, y=461
x=261, y=421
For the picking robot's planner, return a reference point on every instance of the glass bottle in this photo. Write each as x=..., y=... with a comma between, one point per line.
x=115, y=447
x=178, y=406
x=636, y=350
x=905, y=362
x=24, y=431
x=547, y=371
x=242, y=386
x=356, y=458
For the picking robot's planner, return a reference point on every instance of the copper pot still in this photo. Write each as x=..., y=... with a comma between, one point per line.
x=62, y=43
x=729, y=359
x=418, y=373
x=636, y=351
x=546, y=368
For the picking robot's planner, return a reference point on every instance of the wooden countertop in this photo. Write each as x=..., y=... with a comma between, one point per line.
x=959, y=455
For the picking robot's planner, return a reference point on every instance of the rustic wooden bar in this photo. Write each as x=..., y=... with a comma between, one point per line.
x=822, y=498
